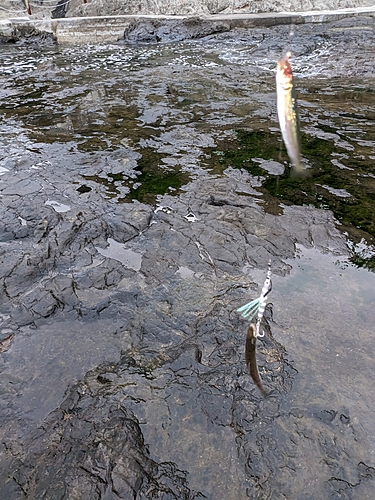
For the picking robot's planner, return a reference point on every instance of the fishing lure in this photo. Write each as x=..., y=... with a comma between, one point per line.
x=249, y=311
x=257, y=306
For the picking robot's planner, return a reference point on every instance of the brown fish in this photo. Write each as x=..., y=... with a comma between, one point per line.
x=251, y=359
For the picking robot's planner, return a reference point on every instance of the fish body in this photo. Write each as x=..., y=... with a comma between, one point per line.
x=251, y=360
x=287, y=110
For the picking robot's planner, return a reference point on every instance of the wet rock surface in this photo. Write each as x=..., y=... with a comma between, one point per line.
x=162, y=31
x=93, y=444
x=28, y=35
x=122, y=354
x=178, y=398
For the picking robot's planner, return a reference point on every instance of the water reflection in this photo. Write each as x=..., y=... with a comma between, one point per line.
x=328, y=334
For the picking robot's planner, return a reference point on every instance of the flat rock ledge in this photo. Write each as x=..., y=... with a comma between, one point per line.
x=162, y=285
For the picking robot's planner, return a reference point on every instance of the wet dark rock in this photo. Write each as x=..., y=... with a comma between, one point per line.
x=100, y=453
x=60, y=10
x=344, y=419
x=151, y=31
x=30, y=273
x=182, y=366
x=106, y=378
x=129, y=225
x=93, y=443
x=84, y=189
x=181, y=304
x=28, y=35
x=6, y=342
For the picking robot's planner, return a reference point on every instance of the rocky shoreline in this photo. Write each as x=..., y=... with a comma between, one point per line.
x=166, y=300
x=135, y=221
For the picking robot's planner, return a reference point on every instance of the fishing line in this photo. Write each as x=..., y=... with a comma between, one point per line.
x=287, y=50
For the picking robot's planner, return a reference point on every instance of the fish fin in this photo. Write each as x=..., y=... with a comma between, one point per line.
x=250, y=310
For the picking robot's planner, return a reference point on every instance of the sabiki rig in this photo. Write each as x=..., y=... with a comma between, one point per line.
x=257, y=306
x=250, y=311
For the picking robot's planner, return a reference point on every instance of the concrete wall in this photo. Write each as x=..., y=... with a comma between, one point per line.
x=107, y=24
x=41, y=8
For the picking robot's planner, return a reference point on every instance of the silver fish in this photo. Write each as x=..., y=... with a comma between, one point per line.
x=287, y=110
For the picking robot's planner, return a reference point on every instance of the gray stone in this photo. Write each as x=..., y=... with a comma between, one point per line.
x=184, y=29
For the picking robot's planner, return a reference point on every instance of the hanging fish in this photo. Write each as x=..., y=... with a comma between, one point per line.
x=287, y=110
x=251, y=359
x=257, y=306
x=249, y=311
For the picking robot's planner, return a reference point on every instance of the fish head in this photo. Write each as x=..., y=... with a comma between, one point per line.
x=284, y=73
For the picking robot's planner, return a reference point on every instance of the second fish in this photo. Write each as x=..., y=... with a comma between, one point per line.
x=287, y=111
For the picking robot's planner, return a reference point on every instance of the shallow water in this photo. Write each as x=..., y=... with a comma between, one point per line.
x=190, y=108
x=328, y=334
x=136, y=122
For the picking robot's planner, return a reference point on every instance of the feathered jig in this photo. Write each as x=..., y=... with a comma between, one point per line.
x=257, y=306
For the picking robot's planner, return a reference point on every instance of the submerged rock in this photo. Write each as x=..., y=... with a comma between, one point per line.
x=28, y=35
x=176, y=414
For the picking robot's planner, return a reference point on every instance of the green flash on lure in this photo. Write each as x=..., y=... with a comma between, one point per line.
x=257, y=306
x=287, y=110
